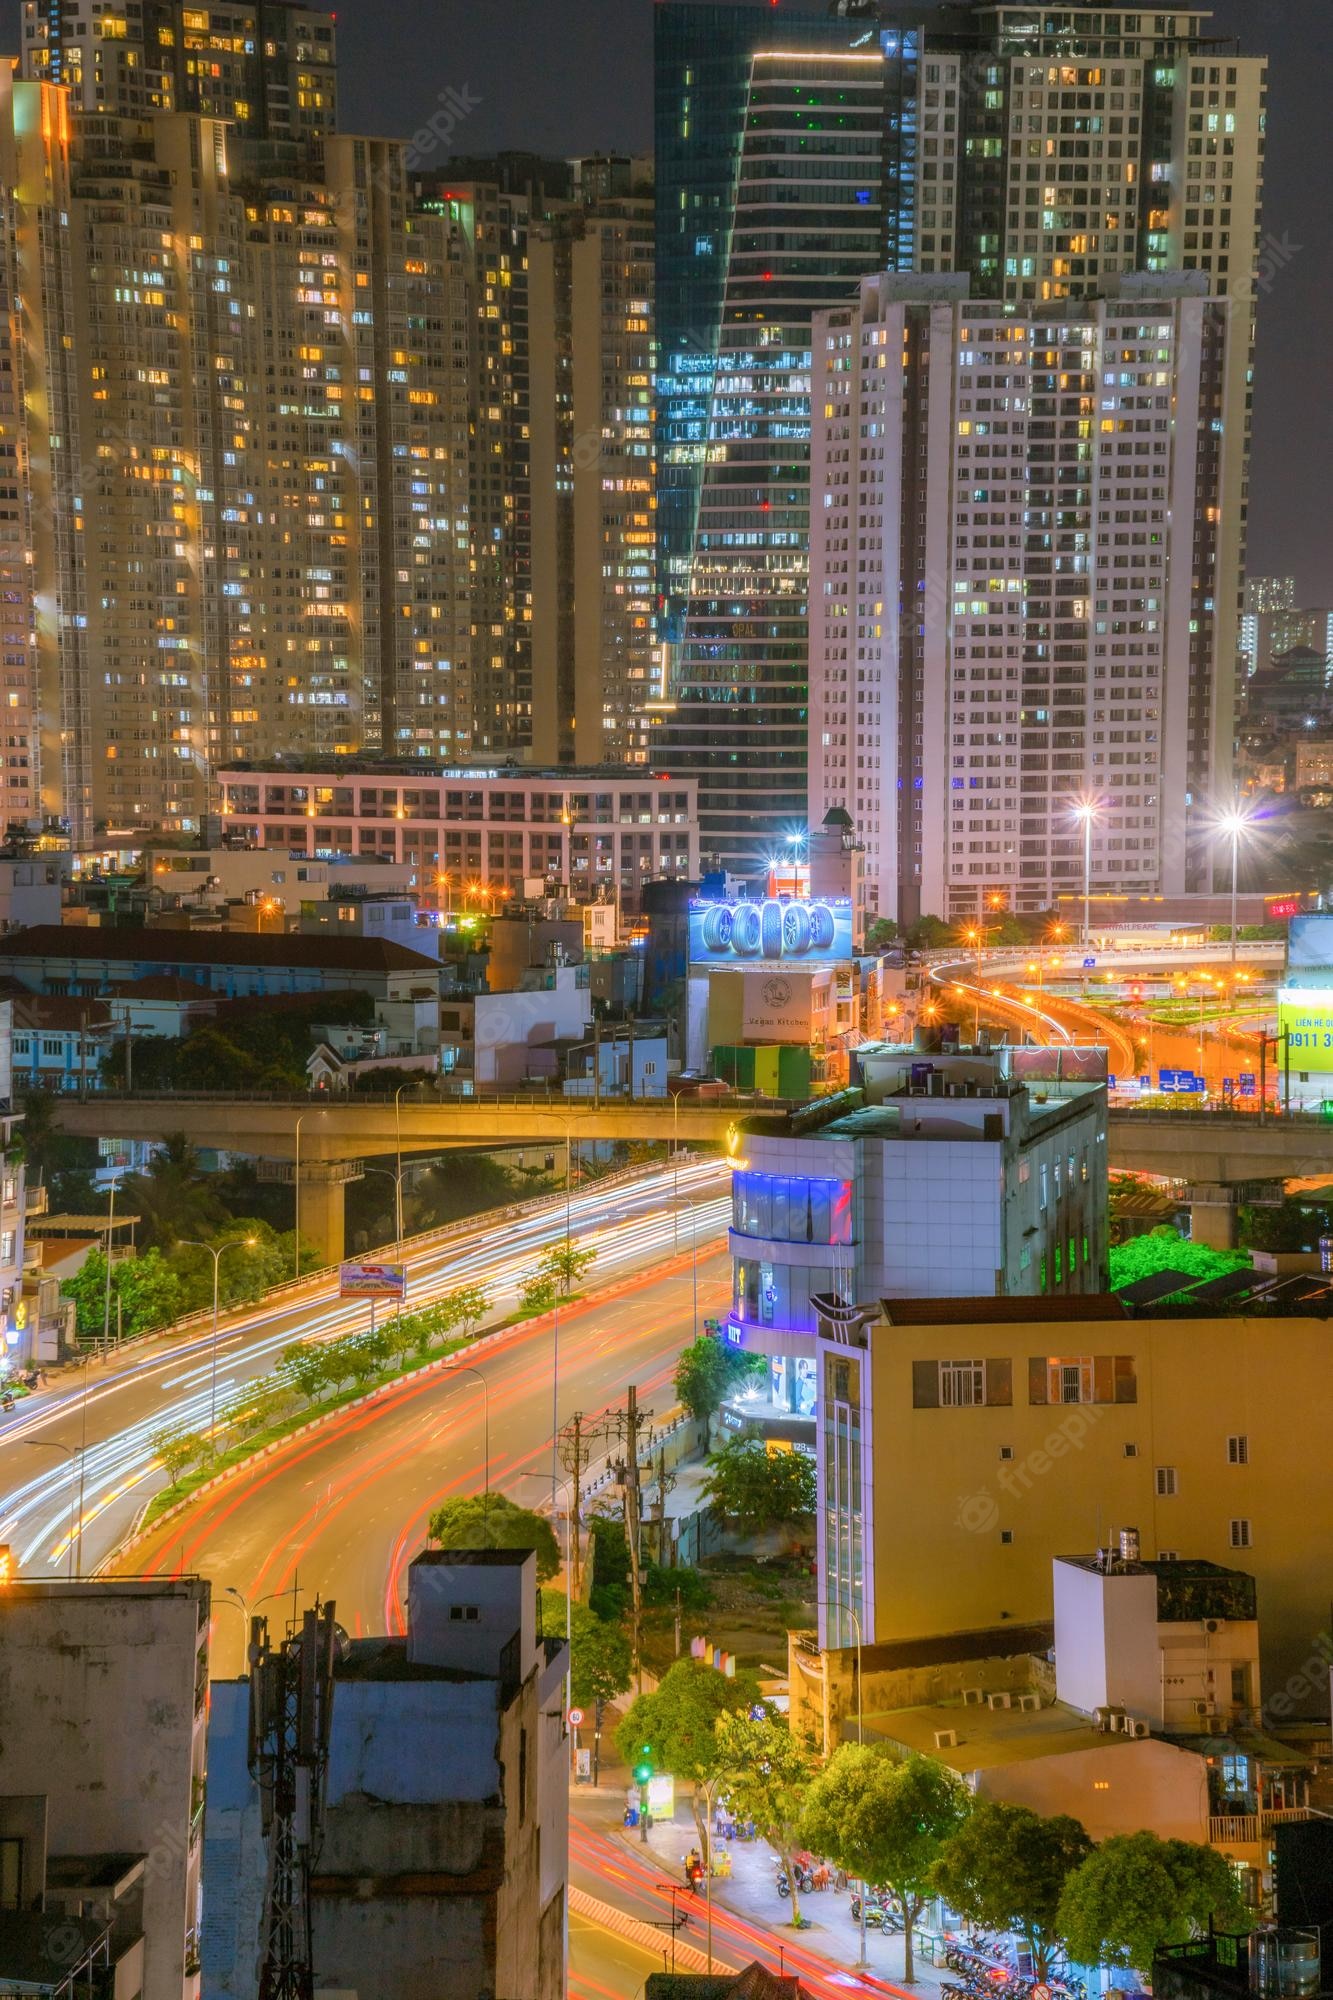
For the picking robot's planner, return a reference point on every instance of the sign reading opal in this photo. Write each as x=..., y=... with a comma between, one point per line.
x=773, y=932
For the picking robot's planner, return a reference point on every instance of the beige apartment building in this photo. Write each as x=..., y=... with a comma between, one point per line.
x=964, y=1444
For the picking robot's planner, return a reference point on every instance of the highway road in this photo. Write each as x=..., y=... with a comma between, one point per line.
x=88, y=1437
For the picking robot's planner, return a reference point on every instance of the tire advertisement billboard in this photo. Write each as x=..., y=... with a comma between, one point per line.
x=772, y=932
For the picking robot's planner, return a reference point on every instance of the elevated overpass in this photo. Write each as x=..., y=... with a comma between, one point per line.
x=325, y=1139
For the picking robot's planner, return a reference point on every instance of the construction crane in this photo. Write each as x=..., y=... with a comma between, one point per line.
x=291, y=1707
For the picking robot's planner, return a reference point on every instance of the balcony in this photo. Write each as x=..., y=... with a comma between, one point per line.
x=1246, y=1829
x=35, y=1200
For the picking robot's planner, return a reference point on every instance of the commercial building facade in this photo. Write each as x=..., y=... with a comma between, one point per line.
x=997, y=1188
x=491, y=830
x=1016, y=592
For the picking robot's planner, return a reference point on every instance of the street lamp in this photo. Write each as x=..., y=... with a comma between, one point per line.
x=235, y=1243
x=1233, y=825
x=688, y=1201
x=106, y=1294
x=466, y=1368
x=1086, y=811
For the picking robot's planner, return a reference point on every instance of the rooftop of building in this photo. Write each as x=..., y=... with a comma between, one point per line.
x=988, y=1311
x=1189, y=1588
x=385, y=1658
x=943, y=1649
x=291, y=950
x=412, y=770
x=990, y=1737
x=40, y=1953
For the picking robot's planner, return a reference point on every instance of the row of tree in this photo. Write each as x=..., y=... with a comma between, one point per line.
x=155, y=1287
x=311, y=1371
x=912, y=1828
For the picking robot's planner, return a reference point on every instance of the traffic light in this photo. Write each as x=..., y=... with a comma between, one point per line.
x=6, y=1565
x=643, y=1770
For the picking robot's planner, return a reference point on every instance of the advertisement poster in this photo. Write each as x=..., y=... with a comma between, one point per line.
x=1306, y=1019
x=770, y=933
x=777, y=1007
x=372, y=1281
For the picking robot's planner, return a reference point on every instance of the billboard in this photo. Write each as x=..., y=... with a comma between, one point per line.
x=1310, y=950
x=372, y=1281
x=771, y=932
x=1055, y=1065
x=1305, y=1017
x=777, y=1007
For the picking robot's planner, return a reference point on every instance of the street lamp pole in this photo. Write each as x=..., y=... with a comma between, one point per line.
x=106, y=1294
x=236, y=1243
x=296, y=1185
x=466, y=1368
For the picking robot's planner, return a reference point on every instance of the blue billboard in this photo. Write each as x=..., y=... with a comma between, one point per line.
x=776, y=931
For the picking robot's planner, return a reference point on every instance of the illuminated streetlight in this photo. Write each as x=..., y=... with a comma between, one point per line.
x=1086, y=810
x=1233, y=825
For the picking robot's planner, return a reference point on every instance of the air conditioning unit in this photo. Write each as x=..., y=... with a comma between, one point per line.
x=1101, y=1718
x=1217, y=1725
x=1116, y=1720
x=1203, y=1708
x=973, y=1697
x=1136, y=1728
x=946, y=1739
x=1029, y=1701
x=1213, y=1624
x=1002, y=1699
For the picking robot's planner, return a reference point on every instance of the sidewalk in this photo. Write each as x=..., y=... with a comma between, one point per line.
x=751, y=1893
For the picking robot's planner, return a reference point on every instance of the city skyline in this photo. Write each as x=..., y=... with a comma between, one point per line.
x=386, y=87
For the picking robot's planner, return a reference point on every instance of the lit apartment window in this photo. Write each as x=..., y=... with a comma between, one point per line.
x=1240, y=1534
x=1166, y=1482
x=1069, y=1381
x=1238, y=1450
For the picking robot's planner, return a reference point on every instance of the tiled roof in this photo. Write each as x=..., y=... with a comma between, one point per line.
x=132, y=943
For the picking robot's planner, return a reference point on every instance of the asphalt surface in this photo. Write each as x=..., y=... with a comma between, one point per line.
x=81, y=1450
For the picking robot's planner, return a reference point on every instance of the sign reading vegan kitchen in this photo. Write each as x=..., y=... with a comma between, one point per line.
x=789, y=933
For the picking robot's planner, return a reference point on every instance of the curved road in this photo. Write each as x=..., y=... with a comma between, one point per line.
x=89, y=1436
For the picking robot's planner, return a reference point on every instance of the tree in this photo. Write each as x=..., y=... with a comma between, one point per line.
x=674, y=1729
x=708, y=1371
x=1005, y=1869
x=1135, y=1892
x=177, y=1450
x=172, y=1196
x=538, y=1293
x=565, y=1262
x=489, y=1521
x=767, y=1773
x=601, y=1664
x=469, y=1305
x=339, y=1362
x=363, y=1358
x=1287, y=1225
x=887, y=1822
x=306, y=1364
x=881, y=932
x=928, y=934
x=145, y=1293
x=758, y=1488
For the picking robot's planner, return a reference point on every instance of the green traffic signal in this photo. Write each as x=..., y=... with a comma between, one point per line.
x=642, y=1773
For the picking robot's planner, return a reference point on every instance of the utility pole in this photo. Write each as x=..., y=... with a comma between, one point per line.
x=665, y=1481
x=634, y=1417
x=579, y=1442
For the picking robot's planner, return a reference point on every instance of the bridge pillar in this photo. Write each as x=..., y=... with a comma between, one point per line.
x=1213, y=1214
x=322, y=1205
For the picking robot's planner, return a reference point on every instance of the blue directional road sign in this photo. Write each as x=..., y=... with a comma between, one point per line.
x=1248, y=1083
x=1181, y=1080
x=1088, y=964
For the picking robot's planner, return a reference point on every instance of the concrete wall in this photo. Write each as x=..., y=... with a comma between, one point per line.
x=101, y=1692
x=1106, y=1648
x=234, y=1859
x=1119, y=1789
x=509, y=1026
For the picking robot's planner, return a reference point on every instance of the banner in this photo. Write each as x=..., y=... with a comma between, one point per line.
x=372, y=1281
x=772, y=932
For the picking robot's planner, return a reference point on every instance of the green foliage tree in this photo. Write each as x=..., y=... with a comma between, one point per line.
x=538, y=1293
x=1166, y=1250
x=757, y=1488
x=489, y=1521
x=674, y=1727
x=566, y=1262
x=1287, y=1225
x=172, y=1197
x=1005, y=1868
x=608, y=1562
x=178, y=1450
x=881, y=932
x=1135, y=1892
x=928, y=933
x=468, y=1307
x=305, y=1363
x=145, y=1294
x=339, y=1362
x=767, y=1772
x=709, y=1370
x=601, y=1665
x=887, y=1822
x=364, y=1358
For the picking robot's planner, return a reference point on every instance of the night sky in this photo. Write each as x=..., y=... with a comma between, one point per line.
x=566, y=76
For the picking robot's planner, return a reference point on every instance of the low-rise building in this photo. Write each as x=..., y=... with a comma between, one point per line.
x=489, y=831
x=105, y=1687
x=86, y=963
x=964, y=1444
x=967, y=1172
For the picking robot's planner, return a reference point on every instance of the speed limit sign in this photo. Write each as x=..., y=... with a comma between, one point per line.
x=575, y=1717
